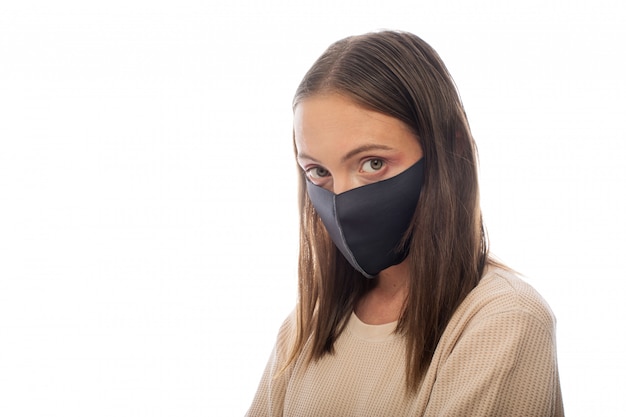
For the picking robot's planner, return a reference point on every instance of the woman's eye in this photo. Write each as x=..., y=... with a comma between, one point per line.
x=317, y=172
x=373, y=165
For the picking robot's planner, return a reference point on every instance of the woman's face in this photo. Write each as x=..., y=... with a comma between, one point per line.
x=341, y=146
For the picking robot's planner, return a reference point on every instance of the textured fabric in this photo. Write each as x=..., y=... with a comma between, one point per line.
x=497, y=357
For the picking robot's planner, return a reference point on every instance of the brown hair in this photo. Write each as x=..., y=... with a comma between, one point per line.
x=398, y=74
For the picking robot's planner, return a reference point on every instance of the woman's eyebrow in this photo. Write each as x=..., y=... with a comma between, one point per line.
x=301, y=156
x=365, y=148
x=350, y=154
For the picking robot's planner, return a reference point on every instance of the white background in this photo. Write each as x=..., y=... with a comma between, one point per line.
x=148, y=224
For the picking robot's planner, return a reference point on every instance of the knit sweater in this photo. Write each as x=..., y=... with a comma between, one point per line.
x=497, y=357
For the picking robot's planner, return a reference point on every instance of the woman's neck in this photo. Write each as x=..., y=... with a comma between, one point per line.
x=384, y=303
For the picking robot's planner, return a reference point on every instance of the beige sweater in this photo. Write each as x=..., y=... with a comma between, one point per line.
x=497, y=357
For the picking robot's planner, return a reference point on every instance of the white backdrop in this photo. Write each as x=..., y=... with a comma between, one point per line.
x=148, y=224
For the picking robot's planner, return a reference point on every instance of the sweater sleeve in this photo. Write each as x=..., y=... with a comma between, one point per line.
x=270, y=395
x=502, y=365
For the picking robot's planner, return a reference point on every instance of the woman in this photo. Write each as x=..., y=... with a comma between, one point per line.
x=401, y=312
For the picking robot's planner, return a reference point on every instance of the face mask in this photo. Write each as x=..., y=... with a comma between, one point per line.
x=367, y=223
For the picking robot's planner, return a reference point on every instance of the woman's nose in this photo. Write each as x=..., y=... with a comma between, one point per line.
x=343, y=183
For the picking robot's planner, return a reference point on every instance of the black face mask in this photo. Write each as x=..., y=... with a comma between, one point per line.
x=367, y=223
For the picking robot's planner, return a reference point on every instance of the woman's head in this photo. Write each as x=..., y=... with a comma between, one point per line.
x=391, y=78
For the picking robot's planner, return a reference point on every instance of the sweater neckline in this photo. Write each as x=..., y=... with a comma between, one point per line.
x=371, y=332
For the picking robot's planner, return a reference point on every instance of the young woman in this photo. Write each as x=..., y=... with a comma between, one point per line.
x=401, y=312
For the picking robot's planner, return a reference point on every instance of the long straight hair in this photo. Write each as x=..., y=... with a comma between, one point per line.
x=400, y=75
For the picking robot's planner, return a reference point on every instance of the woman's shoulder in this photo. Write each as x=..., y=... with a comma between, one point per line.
x=502, y=310
x=286, y=334
x=502, y=291
x=498, y=352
